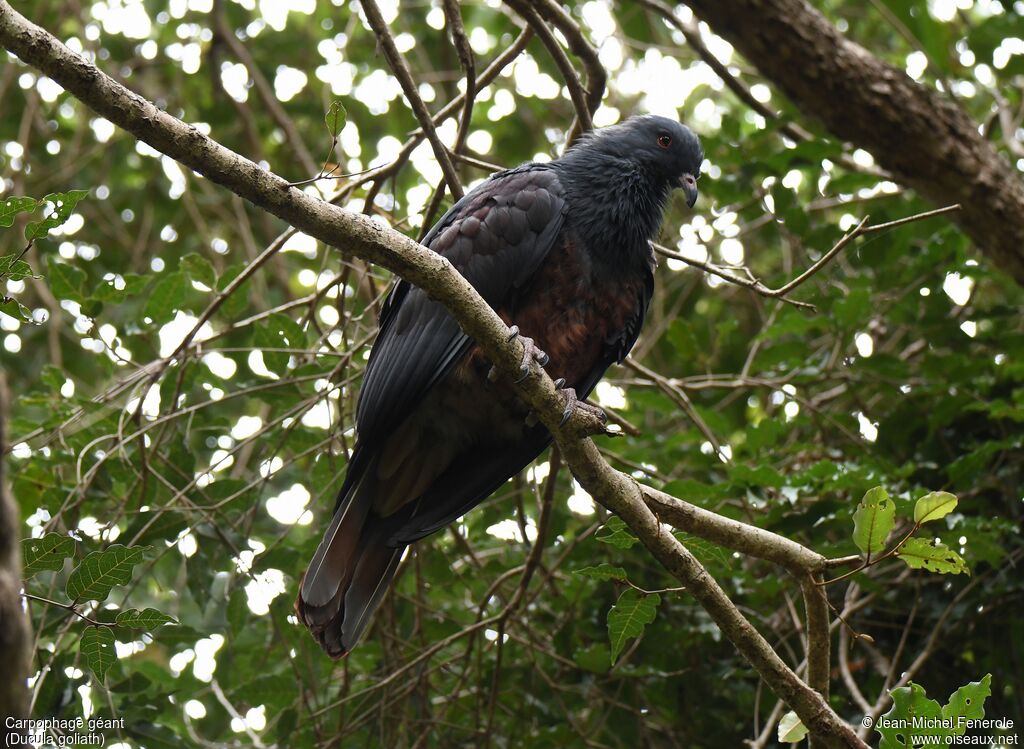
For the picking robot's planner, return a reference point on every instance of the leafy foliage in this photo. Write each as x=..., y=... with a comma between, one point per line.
x=916, y=721
x=933, y=556
x=226, y=458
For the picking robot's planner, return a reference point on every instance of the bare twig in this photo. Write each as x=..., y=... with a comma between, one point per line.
x=681, y=399
x=379, y=175
x=576, y=91
x=453, y=16
x=67, y=607
x=401, y=70
x=691, y=33
x=291, y=133
x=781, y=293
x=597, y=78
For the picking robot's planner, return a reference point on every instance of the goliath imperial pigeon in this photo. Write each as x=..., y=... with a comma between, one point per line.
x=561, y=250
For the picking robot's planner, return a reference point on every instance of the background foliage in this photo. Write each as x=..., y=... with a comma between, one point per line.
x=223, y=460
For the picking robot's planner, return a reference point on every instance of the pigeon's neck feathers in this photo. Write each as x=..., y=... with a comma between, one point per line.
x=616, y=206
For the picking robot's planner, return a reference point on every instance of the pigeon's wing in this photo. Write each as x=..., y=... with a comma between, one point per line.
x=480, y=470
x=496, y=237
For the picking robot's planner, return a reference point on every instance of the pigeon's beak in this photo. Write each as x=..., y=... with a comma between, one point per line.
x=689, y=186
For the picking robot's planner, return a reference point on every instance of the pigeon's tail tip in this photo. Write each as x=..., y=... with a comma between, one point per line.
x=326, y=629
x=337, y=601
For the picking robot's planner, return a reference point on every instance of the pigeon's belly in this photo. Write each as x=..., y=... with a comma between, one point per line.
x=572, y=313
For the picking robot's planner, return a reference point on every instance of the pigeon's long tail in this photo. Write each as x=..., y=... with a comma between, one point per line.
x=349, y=574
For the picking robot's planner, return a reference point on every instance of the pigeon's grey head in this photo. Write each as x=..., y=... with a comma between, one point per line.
x=667, y=150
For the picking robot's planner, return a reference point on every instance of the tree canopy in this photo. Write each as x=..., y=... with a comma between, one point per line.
x=834, y=354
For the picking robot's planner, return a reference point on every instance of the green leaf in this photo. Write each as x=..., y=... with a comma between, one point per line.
x=12, y=206
x=274, y=691
x=596, y=658
x=279, y=332
x=102, y=570
x=154, y=736
x=909, y=703
x=238, y=610
x=97, y=646
x=167, y=296
x=968, y=702
x=707, y=553
x=934, y=506
x=615, y=533
x=153, y=525
x=335, y=118
x=46, y=553
x=911, y=708
x=602, y=572
x=238, y=301
x=791, y=730
x=66, y=281
x=63, y=206
x=920, y=554
x=17, y=310
x=759, y=476
x=199, y=269
x=107, y=290
x=286, y=725
x=873, y=521
x=15, y=269
x=854, y=309
x=53, y=377
x=628, y=617
x=147, y=619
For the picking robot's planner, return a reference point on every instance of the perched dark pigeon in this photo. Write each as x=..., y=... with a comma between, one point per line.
x=561, y=251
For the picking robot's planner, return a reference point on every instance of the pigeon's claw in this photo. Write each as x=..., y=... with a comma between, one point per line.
x=572, y=404
x=530, y=353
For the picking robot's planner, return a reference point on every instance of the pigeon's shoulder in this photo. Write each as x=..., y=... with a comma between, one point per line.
x=530, y=177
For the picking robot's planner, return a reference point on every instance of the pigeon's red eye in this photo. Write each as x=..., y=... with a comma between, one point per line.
x=664, y=141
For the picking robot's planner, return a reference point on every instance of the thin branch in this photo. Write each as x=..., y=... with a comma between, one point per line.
x=401, y=70
x=681, y=399
x=291, y=133
x=818, y=636
x=67, y=607
x=732, y=534
x=781, y=293
x=15, y=655
x=453, y=16
x=597, y=77
x=379, y=175
x=691, y=32
x=913, y=130
x=572, y=81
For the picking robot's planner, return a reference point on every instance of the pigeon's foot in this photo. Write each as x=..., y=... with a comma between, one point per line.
x=573, y=404
x=531, y=353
